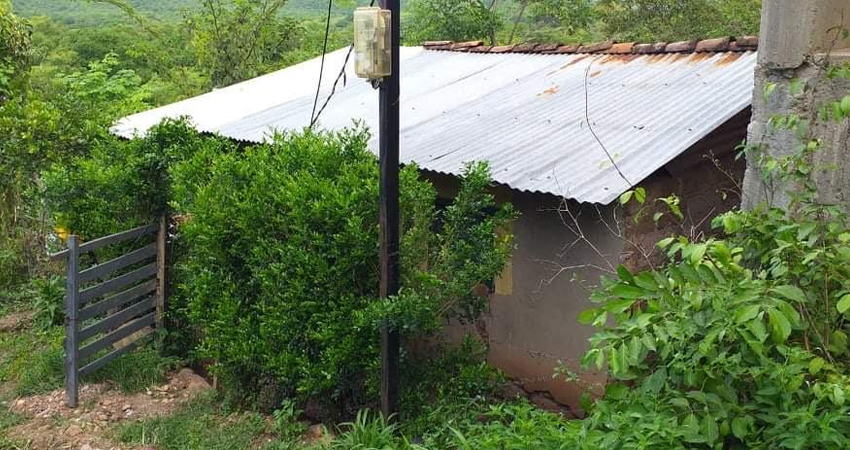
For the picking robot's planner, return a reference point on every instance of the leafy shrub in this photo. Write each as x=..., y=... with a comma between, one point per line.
x=286, y=424
x=368, y=432
x=740, y=342
x=14, y=48
x=516, y=426
x=49, y=301
x=454, y=20
x=281, y=272
x=121, y=184
x=447, y=383
x=274, y=268
x=12, y=268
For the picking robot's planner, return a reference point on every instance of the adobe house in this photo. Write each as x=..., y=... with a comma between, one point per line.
x=566, y=131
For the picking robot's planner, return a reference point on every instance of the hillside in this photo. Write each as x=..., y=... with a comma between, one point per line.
x=81, y=13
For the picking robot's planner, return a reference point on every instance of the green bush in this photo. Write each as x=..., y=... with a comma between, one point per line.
x=446, y=384
x=12, y=267
x=368, y=432
x=516, y=426
x=274, y=265
x=739, y=342
x=464, y=20
x=281, y=273
x=49, y=301
x=122, y=184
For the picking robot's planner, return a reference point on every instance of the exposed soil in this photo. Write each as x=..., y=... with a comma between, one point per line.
x=15, y=321
x=51, y=425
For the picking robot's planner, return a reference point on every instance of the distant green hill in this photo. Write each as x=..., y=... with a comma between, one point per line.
x=81, y=13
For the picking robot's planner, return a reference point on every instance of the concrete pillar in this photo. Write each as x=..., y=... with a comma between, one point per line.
x=797, y=37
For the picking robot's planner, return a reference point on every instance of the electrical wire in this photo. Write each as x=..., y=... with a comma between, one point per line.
x=333, y=89
x=314, y=117
x=590, y=125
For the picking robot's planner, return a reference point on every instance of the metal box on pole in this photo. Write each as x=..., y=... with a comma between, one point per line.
x=372, y=43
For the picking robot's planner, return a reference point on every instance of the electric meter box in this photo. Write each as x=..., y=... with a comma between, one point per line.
x=372, y=43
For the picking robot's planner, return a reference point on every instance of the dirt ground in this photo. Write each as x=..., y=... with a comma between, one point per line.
x=51, y=425
x=15, y=321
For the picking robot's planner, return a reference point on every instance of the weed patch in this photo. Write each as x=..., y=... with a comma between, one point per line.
x=137, y=370
x=201, y=424
x=31, y=362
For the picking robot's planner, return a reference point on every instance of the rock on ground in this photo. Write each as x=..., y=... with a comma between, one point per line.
x=52, y=425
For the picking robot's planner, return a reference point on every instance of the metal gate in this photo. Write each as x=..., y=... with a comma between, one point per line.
x=110, y=307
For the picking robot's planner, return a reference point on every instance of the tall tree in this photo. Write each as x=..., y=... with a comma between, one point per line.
x=455, y=20
x=15, y=50
x=552, y=20
x=235, y=39
x=649, y=20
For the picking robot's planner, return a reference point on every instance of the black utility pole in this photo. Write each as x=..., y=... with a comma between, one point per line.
x=390, y=276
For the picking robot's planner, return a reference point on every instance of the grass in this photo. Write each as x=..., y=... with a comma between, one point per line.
x=8, y=419
x=201, y=424
x=137, y=370
x=31, y=362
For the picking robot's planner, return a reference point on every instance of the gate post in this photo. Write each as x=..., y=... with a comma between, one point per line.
x=161, y=291
x=72, y=293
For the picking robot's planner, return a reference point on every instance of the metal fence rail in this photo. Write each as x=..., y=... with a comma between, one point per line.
x=115, y=310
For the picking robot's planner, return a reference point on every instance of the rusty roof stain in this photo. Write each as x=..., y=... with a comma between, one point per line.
x=620, y=58
x=728, y=59
x=551, y=91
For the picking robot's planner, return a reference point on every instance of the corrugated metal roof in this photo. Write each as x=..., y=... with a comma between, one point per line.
x=524, y=113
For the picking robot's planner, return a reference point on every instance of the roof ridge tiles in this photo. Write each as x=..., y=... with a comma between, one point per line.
x=714, y=45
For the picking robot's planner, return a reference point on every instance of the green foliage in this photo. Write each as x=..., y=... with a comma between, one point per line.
x=454, y=20
x=281, y=272
x=516, y=426
x=29, y=372
x=368, y=432
x=654, y=20
x=55, y=122
x=9, y=419
x=49, y=301
x=557, y=21
x=578, y=21
x=12, y=268
x=137, y=370
x=286, y=424
x=739, y=342
x=123, y=184
x=235, y=40
x=449, y=387
x=93, y=13
x=15, y=51
x=502, y=426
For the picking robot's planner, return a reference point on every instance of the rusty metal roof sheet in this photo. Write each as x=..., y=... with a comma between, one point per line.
x=532, y=116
